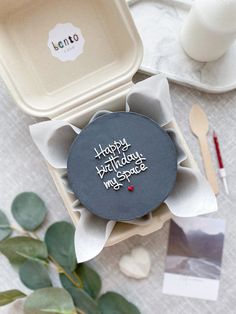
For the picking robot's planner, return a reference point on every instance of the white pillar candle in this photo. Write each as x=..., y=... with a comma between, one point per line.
x=209, y=29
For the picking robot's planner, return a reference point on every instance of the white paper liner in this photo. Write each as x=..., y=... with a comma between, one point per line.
x=191, y=196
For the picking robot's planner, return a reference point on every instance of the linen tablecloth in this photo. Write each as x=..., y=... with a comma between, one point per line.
x=23, y=169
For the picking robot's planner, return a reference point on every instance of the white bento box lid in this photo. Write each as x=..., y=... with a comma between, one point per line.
x=56, y=55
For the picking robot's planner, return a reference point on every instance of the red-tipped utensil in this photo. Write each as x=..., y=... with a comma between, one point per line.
x=222, y=171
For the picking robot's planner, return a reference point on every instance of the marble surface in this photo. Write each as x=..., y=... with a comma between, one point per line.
x=23, y=169
x=159, y=23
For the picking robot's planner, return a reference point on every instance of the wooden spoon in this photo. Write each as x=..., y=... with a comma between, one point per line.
x=200, y=127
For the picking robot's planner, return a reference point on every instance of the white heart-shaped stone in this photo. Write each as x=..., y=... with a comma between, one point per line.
x=137, y=264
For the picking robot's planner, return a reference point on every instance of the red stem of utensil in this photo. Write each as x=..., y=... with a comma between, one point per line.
x=217, y=146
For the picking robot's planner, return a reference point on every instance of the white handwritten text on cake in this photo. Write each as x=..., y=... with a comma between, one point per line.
x=117, y=157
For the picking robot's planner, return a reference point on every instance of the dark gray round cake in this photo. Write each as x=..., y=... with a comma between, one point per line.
x=122, y=166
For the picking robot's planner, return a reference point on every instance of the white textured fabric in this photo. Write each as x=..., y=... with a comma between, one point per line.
x=22, y=168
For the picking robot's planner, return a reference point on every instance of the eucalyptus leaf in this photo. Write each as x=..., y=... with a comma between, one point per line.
x=90, y=279
x=5, y=228
x=49, y=301
x=34, y=275
x=112, y=302
x=28, y=210
x=59, y=239
x=82, y=299
x=83, y=302
x=10, y=296
x=19, y=249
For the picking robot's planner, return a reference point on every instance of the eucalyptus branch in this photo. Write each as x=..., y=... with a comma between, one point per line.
x=78, y=278
x=57, y=267
x=79, y=311
x=21, y=231
x=33, y=254
x=63, y=271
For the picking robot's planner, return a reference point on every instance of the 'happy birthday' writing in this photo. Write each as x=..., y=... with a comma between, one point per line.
x=116, y=158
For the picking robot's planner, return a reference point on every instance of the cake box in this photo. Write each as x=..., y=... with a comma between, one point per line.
x=66, y=60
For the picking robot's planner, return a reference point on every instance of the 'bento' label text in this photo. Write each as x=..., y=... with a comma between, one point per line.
x=66, y=42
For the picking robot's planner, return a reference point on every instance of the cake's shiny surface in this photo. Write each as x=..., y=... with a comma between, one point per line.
x=122, y=166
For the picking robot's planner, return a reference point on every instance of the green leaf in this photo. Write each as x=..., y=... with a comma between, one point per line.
x=34, y=275
x=114, y=303
x=9, y=296
x=90, y=279
x=82, y=299
x=5, y=228
x=19, y=249
x=83, y=302
x=59, y=239
x=28, y=210
x=49, y=301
